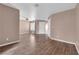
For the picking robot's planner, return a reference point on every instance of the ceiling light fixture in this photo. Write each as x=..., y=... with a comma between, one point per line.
x=36, y=5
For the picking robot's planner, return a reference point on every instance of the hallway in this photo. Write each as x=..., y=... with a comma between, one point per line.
x=38, y=45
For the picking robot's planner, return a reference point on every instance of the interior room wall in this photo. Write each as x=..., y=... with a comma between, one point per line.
x=24, y=26
x=63, y=27
x=9, y=25
x=36, y=27
x=49, y=27
x=77, y=27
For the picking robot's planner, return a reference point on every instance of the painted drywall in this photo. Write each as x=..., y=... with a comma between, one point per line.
x=48, y=32
x=63, y=26
x=36, y=27
x=77, y=27
x=41, y=12
x=24, y=26
x=9, y=24
x=46, y=9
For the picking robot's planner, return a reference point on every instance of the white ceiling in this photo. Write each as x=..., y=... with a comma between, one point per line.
x=43, y=11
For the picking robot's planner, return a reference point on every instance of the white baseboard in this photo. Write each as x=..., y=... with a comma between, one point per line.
x=9, y=43
x=23, y=33
x=77, y=48
x=61, y=40
x=66, y=42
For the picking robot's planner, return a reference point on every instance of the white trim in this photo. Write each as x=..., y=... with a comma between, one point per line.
x=7, y=52
x=9, y=43
x=23, y=33
x=61, y=40
x=66, y=42
x=40, y=33
x=77, y=48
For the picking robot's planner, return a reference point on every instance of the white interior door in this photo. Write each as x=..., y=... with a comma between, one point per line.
x=32, y=27
x=42, y=29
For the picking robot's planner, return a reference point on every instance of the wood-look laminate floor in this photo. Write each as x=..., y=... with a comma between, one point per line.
x=38, y=45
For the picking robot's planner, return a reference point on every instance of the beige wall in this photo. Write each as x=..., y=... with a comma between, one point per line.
x=24, y=26
x=63, y=27
x=9, y=24
x=77, y=26
x=36, y=27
